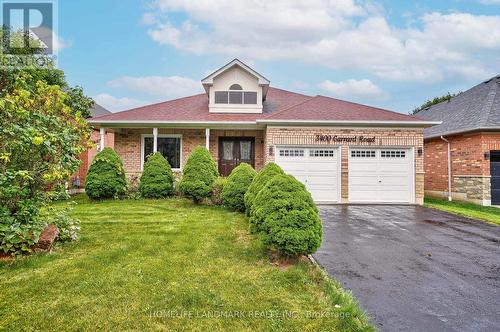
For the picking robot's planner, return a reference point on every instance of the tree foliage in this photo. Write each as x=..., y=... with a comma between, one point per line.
x=157, y=179
x=198, y=175
x=41, y=139
x=233, y=194
x=77, y=101
x=106, y=176
x=431, y=102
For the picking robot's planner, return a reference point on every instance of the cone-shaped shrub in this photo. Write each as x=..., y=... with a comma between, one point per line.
x=106, y=177
x=157, y=178
x=233, y=194
x=259, y=181
x=286, y=216
x=198, y=175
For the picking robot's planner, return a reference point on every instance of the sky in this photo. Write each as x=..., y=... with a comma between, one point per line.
x=389, y=54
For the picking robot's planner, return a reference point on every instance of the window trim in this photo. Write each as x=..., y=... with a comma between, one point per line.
x=143, y=144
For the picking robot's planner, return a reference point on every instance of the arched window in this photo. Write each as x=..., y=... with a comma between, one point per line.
x=235, y=87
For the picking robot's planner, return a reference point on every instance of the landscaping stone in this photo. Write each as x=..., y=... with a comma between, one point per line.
x=47, y=238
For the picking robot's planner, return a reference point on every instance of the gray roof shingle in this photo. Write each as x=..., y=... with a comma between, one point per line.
x=475, y=109
x=98, y=110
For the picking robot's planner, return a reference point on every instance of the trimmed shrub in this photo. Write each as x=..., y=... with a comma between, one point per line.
x=286, y=216
x=233, y=195
x=157, y=179
x=259, y=181
x=198, y=175
x=218, y=186
x=106, y=177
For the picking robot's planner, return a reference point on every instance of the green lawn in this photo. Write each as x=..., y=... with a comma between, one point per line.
x=485, y=213
x=168, y=265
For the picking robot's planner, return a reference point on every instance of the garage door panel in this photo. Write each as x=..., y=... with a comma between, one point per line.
x=381, y=175
x=316, y=168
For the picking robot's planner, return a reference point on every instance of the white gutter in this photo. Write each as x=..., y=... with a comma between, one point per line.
x=269, y=121
x=350, y=122
x=449, y=168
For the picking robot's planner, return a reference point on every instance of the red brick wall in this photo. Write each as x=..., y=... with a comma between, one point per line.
x=436, y=165
x=128, y=144
x=467, y=155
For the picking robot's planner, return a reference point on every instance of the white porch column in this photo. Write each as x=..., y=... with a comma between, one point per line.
x=155, y=140
x=101, y=141
x=207, y=138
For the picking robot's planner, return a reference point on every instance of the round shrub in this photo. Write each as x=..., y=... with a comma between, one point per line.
x=198, y=175
x=259, y=181
x=217, y=188
x=286, y=216
x=237, y=185
x=157, y=179
x=106, y=177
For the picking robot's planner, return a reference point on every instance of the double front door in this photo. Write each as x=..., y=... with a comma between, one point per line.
x=234, y=151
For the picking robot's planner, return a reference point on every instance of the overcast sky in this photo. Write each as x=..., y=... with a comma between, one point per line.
x=390, y=54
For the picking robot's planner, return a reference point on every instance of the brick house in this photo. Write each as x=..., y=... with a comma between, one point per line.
x=462, y=155
x=343, y=152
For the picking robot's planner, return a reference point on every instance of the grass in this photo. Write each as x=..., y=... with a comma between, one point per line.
x=168, y=265
x=470, y=210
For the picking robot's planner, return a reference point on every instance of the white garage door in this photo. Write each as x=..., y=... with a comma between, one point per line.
x=381, y=176
x=317, y=168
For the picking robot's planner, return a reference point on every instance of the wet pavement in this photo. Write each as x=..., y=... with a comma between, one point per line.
x=414, y=268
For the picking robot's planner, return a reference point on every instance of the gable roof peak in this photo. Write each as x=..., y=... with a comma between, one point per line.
x=235, y=62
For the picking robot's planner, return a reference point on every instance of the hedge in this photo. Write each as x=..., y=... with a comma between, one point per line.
x=157, y=179
x=286, y=217
x=106, y=177
x=198, y=175
x=237, y=185
x=259, y=181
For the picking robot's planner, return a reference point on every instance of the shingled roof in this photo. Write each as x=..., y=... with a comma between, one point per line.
x=279, y=106
x=475, y=109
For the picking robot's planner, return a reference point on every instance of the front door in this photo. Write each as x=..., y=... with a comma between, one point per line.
x=495, y=177
x=234, y=151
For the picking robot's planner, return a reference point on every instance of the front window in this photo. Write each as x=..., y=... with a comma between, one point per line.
x=169, y=147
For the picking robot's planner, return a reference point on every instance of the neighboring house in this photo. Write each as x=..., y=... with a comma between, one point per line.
x=471, y=132
x=342, y=151
x=87, y=157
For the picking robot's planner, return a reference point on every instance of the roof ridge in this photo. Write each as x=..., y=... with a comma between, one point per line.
x=288, y=91
x=287, y=108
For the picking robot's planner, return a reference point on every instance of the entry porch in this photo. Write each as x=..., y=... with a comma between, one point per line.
x=229, y=148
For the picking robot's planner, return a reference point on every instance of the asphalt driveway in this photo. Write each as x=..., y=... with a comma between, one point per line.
x=414, y=268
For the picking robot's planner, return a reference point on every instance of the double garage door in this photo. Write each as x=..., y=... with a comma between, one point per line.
x=376, y=175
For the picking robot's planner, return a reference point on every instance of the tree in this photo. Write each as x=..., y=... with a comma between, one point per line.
x=40, y=142
x=437, y=100
x=198, y=175
x=77, y=101
x=157, y=179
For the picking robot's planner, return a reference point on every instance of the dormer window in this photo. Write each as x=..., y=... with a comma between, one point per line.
x=236, y=96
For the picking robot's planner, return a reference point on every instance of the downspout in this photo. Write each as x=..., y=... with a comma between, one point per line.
x=449, y=167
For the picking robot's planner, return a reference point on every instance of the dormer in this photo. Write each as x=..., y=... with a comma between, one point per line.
x=235, y=88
